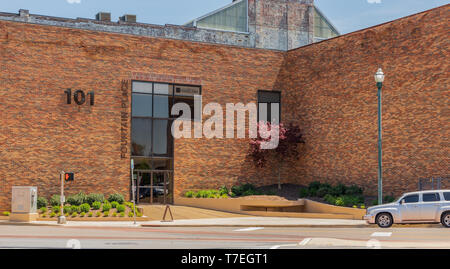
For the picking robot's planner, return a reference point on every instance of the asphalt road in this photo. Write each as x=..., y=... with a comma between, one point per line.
x=220, y=238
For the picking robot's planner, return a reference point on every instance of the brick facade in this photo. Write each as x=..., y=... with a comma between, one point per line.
x=327, y=88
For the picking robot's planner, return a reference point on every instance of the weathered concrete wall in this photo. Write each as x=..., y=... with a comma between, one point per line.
x=273, y=24
x=281, y=24
x=141, y=29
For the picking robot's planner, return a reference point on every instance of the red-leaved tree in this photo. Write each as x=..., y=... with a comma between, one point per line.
x=287, y=148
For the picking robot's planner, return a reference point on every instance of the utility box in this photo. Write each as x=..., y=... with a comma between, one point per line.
x=24, y=204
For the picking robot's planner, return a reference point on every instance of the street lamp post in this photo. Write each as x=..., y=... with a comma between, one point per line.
x=379, y=78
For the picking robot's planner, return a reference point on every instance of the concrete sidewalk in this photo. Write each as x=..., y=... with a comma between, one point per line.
x=259, y=222
x=217, y=222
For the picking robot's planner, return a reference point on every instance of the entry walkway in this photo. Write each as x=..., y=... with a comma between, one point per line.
x=156, y=212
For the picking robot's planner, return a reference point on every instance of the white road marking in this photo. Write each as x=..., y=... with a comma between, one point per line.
x=249, y=229
x=381, y=234
x=304, y=242
x=279, y=246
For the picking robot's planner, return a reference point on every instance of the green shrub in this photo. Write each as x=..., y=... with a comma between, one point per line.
x=388, y=199
x=330, y=199
x=96, y=205
x=42, y=202
x=99, y=213
x=44, y=215
x=120, y=208
x=82, y=214
x=114, y=204
x=130, y=214
x=200, y=194
x=85, y=208
x=55, y=208
x=94, y=197
x=67, y=209
x=114, y=214
x=243, y=190
x=138, y=214
x=122, y=214
x=350, y=200
x=363, y=207
x=223, y=190
x=6, y=213
x=55, y=200
x=339, y=201
x=224, y=196
x=189, y=194
x=338, y=190
x=106, y=207
x=106, y=214
x=212, y=194
x=323, y=190
x=90, y=214
x=117, y=197
x=77, y=199
x=43, y=210
x=52, y=215
x=304, y=192
x=129, y=204
x=74, y=214
x=353, y=190
x=354, y=206
x=75, y=208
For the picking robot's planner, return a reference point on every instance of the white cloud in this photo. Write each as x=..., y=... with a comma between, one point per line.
x=368, y=1
x=74, y=1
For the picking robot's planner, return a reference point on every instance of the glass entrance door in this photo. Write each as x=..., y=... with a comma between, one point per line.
x=153, y=186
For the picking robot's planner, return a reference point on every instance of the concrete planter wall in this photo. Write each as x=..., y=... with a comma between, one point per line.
x=300, y=208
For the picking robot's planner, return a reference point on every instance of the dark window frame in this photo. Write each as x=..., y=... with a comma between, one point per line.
x=269, y=109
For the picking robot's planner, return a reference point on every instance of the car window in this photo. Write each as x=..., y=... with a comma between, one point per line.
x=447, y=196
x=411, y=199
x=431, y=197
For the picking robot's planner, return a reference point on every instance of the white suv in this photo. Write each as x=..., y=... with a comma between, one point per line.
x=414, y=207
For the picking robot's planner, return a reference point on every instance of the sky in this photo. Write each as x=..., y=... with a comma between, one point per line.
x=346, y=15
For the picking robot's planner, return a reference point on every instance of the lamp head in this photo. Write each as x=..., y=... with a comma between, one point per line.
x=379, y=76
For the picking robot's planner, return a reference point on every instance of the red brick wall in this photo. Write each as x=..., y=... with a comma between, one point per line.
x=329, y=89
x=41, y=135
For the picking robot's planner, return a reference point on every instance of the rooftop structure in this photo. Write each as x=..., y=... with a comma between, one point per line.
x=267, y=24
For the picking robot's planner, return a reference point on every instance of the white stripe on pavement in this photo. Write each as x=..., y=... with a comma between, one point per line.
x=305, y=241
x=381, y=234
x=249, y=229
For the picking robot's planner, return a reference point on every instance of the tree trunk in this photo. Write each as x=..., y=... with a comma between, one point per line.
x=279, y=174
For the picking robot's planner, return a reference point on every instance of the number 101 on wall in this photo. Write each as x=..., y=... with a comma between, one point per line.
x=79, y=97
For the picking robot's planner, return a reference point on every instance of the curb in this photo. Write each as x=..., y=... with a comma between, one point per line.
x=257, y=225
x=29, y=224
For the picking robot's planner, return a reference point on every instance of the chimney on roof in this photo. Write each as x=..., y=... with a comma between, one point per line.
x=24, y=13
x=103, y=16
x=128, y=18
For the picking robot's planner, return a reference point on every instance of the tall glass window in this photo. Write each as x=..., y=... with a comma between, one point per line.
x=151, y=119
x=151, y=137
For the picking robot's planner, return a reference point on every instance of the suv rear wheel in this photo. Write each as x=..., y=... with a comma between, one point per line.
x=384, y=220
x=445, y=219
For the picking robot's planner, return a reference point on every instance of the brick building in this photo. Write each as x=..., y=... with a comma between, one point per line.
x=123, y=84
